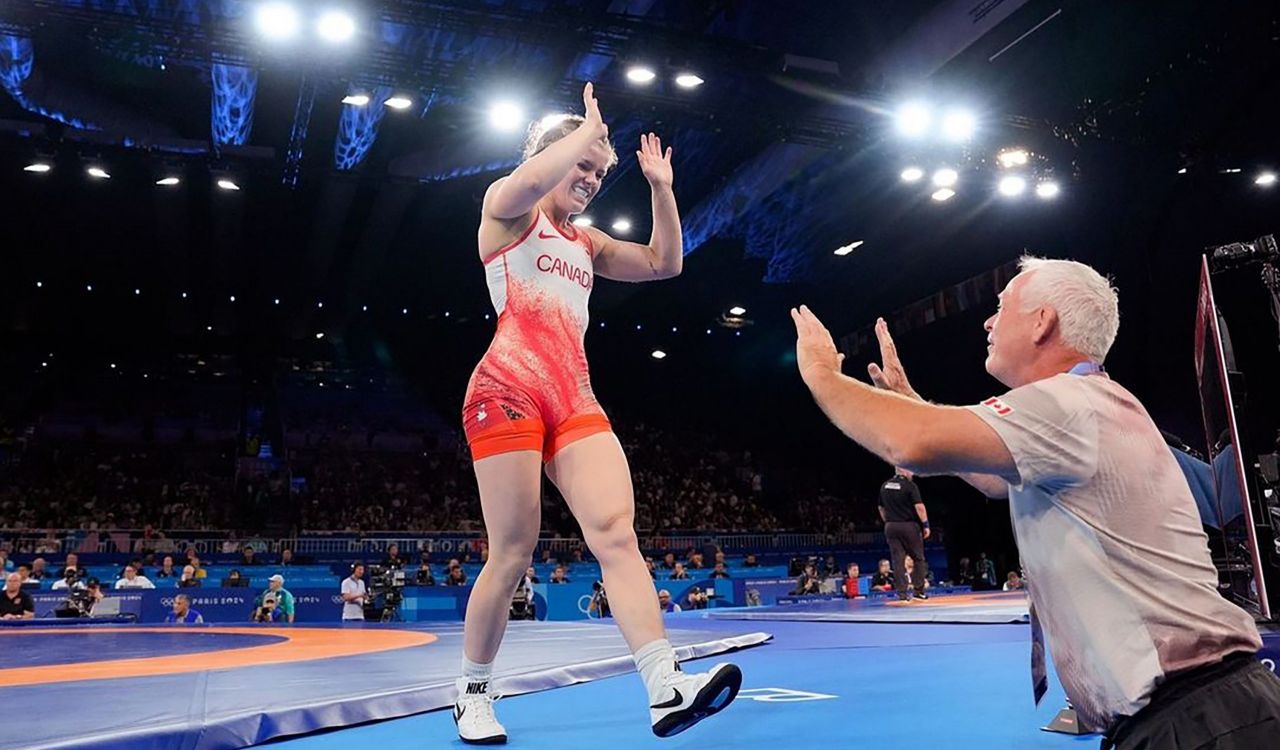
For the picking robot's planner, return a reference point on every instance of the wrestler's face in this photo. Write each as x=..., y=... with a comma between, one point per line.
x=1010, y=334
x=575, y=191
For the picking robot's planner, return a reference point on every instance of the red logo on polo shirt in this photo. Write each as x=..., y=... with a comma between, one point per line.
x=999, y=407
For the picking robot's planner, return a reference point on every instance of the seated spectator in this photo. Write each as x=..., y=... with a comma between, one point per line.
x=188, y=579
x=38, y=569
x=669, y=561
x=73, y=562
x=576, y=554
x=6, y=565
x=16, y=604
x=393, y=561
x=648, y=563
x=132, y=580
x=883, y=578
x=750, y=562
x=137, y=568
x=166, y=568
x=720, y=558
x=697, y=598
x=425, y=576
x=808, y=583
x=248, y=556
x=851, y=578
x=665, y=603
x=193, y=560
x=679, y=574
x=286, y=557
x=233, y=580
x=531, y=575
x=546, y=555
x=696, y=561
x=458, y=577
x=828, y=567
x=719, y=571
x=557, y=575
x=183, y=613
x=1014, y=582
x=24, y=575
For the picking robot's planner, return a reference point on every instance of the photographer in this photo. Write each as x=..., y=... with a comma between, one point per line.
x=425, y=577
x=16, y=604
x=354, y=595
x=70, y=580
x=282, y=600
x=697, y=598
x=268, y=611
x=808, y=582
x=599, y=605
x=394, y=561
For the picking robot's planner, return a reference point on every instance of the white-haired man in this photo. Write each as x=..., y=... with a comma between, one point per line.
x=1146, y=648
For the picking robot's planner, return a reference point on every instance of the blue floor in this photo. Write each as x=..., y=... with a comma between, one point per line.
x=860, y=686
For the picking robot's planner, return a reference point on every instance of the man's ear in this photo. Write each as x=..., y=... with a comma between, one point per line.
x=1045, y=325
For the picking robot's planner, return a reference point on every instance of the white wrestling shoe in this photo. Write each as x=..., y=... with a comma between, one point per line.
x=473, y=713
x=690, y=698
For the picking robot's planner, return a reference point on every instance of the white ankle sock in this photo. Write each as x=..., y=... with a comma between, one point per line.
x=473, y=673
x=655, y=660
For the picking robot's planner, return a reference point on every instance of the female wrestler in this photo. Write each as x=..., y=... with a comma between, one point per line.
x=529, y=404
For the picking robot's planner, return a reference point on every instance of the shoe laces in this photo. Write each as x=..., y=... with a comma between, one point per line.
x=482, y=704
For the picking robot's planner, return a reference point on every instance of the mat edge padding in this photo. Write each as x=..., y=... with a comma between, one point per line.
x=241, y=729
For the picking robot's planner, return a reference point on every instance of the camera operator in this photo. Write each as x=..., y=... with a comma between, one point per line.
x=354, y=595
x=16, y=604
x=599, y=601
x=268, y=611
x=70, y=580
x=697, y=598
x=425, y=577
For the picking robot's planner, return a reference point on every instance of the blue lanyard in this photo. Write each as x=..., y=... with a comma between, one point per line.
x=1087, y=368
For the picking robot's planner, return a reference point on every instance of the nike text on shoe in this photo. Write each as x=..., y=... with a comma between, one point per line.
x=473, y=713
x=694, y=697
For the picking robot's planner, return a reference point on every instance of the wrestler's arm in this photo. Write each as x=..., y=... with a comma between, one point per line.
x=663, y=257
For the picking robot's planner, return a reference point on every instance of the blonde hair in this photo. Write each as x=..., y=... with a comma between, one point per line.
x=1088, y=306
x=548, y=130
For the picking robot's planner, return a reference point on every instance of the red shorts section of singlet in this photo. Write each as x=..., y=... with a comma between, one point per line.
x=531, y=390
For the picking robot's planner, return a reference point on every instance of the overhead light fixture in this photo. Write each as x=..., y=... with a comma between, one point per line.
x=98, y=173
x=943, y=194
x=689, y=81
x=1047, y=190
x=39, y=167
x=658, y=354
x=227, y=184
x=399, y=102
x=404, y=311
x=1014, y=157
x=1012, y=185
x=912, y=174
x=640, y=74
x=582, y=221
x=320, y=335
x=959, y=125
x=1266, y=179
x=137, y=292
x=737, y=310
x=276, y=301
x=39, y=285
x=506, y=116
x=1232, y=170
x=356, y=100
x=88, y=287
x=913, y=119
x=184, y=295
x=849, y=248
x=621, y=225
x=336, y=26
x=169, y=181
x=945, y=177
x=1182, y=171
x=277, y=20
x=233, y=298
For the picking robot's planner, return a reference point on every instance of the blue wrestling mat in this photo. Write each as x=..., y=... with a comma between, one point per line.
x=216, y=687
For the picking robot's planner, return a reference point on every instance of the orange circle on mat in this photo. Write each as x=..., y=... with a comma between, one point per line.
x=300, y=644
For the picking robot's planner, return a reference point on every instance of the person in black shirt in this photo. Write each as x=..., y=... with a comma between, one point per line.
x=883, y=578
x=808, y=583
x=16, y=604
x=906, y=526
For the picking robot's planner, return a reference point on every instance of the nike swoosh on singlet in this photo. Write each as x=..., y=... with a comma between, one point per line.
x=542, y=235
x=671, y=703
